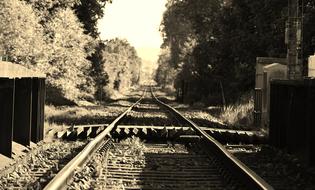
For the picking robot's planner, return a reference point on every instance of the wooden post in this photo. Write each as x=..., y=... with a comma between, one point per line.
x=223, y=97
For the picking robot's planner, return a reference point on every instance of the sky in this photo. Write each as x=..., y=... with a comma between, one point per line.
x=138, y=21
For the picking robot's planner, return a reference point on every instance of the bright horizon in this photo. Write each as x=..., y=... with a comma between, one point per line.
x=138, y=21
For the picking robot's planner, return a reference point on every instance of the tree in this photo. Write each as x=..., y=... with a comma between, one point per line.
x=176, y=29
x=215, y=42
x=46, y=8
x=120, y=66
x=21, y=36
x=182, y=28
x=47, y=35
x=89, y=12
x=67, y=59
x=67, y=49
x=165, y=73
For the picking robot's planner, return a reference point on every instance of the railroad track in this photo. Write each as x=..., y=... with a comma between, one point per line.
x=36, y=169
x=177, y=154
x=191, y=159
x=165, y=166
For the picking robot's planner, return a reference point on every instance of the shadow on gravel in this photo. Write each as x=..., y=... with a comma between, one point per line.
x=118, y=105
x=206, y=123
x=82, y=120
x=150, y=109
x=150, y=121
x=212, y=111
x=131, y=99
x=179, y=171
x=166, y=100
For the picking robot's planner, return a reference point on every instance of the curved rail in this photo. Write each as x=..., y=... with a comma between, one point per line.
x=248, y=176
x=65, y=174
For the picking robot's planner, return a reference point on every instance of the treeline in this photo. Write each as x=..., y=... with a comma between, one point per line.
x=210, y=46
x=60, y=38
x=119, y=63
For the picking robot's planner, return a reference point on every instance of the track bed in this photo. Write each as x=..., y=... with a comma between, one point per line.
x=164, y=166
x=39, y=166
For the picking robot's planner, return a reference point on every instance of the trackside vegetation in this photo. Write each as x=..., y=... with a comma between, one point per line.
x=60, y=38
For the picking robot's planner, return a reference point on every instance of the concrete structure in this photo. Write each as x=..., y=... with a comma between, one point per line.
x=22, y=96
x=11, y=70
x=311, y=66
x=267, y=69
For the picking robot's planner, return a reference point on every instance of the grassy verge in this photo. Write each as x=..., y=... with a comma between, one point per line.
x=239, y=114
x=60, y=117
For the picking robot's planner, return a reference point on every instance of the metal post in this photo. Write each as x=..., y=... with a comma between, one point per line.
x=37, y=110
x=42, y=97
x=22, y=111
x=6, y=115
x=293, y=39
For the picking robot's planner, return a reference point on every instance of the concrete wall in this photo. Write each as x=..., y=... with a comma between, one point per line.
x=264, y=74
x=11, y=70
x=311, y=66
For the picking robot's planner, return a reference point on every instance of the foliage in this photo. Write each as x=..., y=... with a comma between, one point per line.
x=99, y=77
x=165, y=72
x=214, y=43
x=46, y=8
x=67, y=59
x=20, y=34
x=89, y=12
x=46, y=35
x=120, y=65
x=59, y=38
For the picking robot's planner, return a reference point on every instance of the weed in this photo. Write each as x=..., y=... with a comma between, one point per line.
x=240, y=114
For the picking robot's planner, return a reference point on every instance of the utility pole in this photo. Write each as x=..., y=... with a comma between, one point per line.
x=293, y=40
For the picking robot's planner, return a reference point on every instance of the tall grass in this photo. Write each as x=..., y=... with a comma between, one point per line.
x=239, y=114
x=81, y=115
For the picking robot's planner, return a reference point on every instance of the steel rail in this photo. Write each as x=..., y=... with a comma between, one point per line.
x=248, y=176
x=66, y=173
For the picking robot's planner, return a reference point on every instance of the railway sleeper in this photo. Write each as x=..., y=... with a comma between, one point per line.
x=187, y=170
x=165, y=132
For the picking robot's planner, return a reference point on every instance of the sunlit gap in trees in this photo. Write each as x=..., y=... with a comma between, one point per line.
x=138, y=22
